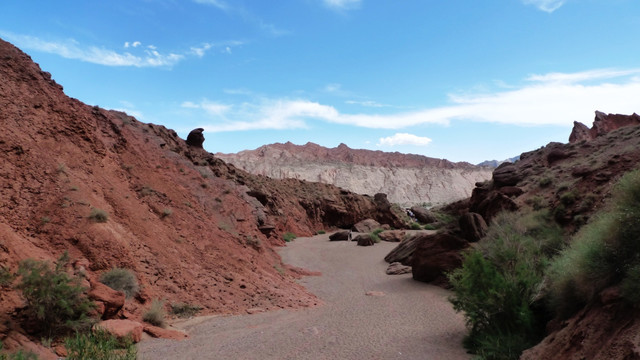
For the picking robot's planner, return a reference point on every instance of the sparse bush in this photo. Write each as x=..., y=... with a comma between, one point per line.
x=537, y=202
x=288, y=237
x=122, y=280
x=156, y=314
x=545, y=182
x=253, y=242
x=429, y=227
x=98, y=215
x=166, y=212
x=605, y=252
x=320, y=232
x=55, y=300
x=99, y=345
x=184, y=310
x=374, y=235
x=568, y=198
x=498, y=285
x=415, y=226
x=45, y=220
x=6, y=276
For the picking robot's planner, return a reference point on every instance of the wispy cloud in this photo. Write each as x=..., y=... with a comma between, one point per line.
x=404, y=139
x=546, y=5
x=547, y=99
x=217, y=3
x=135, y=54
x=342, y=4
x=366, y=103
x=71, y=49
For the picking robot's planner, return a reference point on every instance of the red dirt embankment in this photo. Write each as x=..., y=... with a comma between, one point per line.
x=192, y=228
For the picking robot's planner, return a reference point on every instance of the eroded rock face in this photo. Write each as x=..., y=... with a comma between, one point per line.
x=602, y=124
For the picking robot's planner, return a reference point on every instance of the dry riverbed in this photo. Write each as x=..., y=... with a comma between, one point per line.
x=398, y=319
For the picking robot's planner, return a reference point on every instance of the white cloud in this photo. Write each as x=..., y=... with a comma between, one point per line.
x=71, y=49
x=210, y=107
x=342, y=4
x=546, y=5
x=548, y=99
x=404, y=139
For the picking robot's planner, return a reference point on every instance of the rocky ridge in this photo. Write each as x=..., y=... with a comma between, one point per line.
x=192, y=228
x=407, y=179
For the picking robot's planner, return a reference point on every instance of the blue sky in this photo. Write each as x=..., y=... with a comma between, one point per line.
x=444, y=78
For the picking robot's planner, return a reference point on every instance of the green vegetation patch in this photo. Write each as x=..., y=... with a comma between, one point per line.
x=122, y=280
x=99, y=345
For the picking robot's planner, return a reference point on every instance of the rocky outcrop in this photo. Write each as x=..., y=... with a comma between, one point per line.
x=109, y=301
x=406, y=179
x=195, y=138
x=404, y=251
x=602, y=124
x=435, y=256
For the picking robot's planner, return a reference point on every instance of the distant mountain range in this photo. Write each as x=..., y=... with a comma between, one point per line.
x=496, y=163
x=407, y=179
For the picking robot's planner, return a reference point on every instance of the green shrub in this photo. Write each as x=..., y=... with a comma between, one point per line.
x=6, y=276
x=155, y=315
x=374, y=235
x=99, y=345
x=606, y=251
x=415, y=226
x=184, y=310
x=98, y=215
x=122, y=280
x=429, y=227
x=288, y=237
x=568, y=198
x=545, y=182
x=498, y=285
x=54, y=299
x=320, y=232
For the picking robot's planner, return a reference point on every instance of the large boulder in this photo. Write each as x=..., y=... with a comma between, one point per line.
x=122, y=328
x=392, y=235
x=366, y=226
x=489, y=203
x=473, y=226
x=342, y=235
x=423, y=215
x=397, y=268
x=403, y=252
x=435, y=256
x=364, y=240
x=109, y=301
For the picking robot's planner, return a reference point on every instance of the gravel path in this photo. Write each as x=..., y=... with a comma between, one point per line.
x=403, y=319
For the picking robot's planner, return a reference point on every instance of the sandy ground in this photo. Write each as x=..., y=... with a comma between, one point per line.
x=404, y=319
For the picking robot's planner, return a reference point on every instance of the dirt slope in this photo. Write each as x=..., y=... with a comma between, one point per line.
x=192, y=228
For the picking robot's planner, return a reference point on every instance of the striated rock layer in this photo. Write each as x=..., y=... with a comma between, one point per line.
x=407, y=179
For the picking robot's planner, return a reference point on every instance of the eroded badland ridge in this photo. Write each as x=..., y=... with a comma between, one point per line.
x=407, y=179
x=192, y=228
